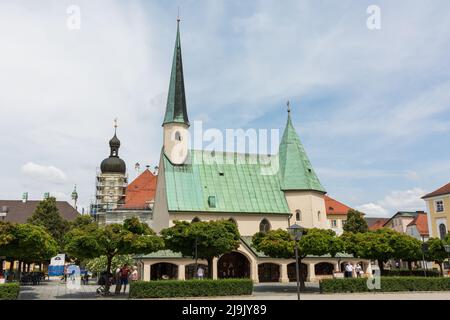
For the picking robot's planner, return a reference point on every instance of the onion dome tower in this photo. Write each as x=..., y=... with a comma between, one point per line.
x=111, y=181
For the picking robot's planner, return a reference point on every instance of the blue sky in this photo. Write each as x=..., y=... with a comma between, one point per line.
x=372, y=107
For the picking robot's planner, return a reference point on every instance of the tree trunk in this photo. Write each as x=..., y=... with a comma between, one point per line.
x=108, y=271
x=442, y=268
x=381, y=266
x=11, y=270
x=302, y=280
x=210, y=267
x=19, y=270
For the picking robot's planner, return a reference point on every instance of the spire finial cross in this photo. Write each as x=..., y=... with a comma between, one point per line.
x=115, y=125
x=178, y=17
x=288, y=106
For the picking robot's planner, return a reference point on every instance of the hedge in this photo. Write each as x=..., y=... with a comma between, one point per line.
x=387, y=284
x=410, y=273
x=9, y=291
x=190, y=288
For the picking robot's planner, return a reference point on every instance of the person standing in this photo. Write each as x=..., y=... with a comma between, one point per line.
x=358, y=270
x=124, y=274
x=349, y=270
x=134, y=274
x=200, y=273
x=117, y=281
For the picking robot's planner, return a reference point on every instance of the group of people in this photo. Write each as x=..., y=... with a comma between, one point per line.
x=349, y=268
x=123, y=275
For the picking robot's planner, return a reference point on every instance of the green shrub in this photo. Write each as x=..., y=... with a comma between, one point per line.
x=9, y=291
x=410, y=273
x=387, y=284
x=191, y=288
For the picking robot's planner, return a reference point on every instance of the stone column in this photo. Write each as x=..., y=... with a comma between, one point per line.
x=214, y=268
x=146, y=275
x=337, y=267
x=181, y=272
x=254, y=271
x=284, y=278
x=368, y=270
x=311, y=273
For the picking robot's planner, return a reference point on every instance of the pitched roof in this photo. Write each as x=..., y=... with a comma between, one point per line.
x=224, y=182
x=421, y=223
x=403, y=214
x=19, y=212
x=376, y=223
x=141, y=191
x=439, y=192
x=333, y=206
x=176, y=111
x=296, y=171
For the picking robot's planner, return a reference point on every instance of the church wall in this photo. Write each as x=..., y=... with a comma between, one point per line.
x=160, y=208
x=310, y=203
x=248, y=224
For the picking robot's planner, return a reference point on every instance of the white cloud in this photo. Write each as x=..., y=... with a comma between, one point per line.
x=43, y=173
x=398, y=200
x=372, y=209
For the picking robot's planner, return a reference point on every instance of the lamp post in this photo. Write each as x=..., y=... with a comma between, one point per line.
x=424, y=250
x=447, y=249
x=296, y=233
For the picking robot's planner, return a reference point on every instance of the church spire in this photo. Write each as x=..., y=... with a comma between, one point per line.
x=296, y=170
x=176, y=111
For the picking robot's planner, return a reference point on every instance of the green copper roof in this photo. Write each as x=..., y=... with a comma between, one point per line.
x=296, y=171
x=239, y=183
x=176, y=100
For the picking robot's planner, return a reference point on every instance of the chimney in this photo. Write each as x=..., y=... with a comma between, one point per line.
x=25, y=197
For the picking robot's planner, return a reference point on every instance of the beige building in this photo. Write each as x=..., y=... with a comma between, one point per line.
x=438, y=208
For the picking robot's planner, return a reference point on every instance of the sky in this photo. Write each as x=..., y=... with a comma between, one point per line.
x=371, y=106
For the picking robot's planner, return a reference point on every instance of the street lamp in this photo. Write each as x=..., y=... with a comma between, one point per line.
x=296, y=233
x=424, y=250
x=447, y=249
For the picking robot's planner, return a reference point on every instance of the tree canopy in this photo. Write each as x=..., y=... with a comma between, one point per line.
x=355, y=222
x=436, y=251
x=213, y=238
x=91, y=241
x=47, y=216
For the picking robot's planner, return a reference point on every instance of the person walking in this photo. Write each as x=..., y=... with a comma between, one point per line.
x=134, y=274
x=124, y=274
x=117, y=281
x=358, y=270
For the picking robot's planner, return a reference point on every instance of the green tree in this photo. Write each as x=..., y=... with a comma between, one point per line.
x=374, y=245
x=47, y=216
x=97, y=265
x=406, y=248
x=355, y=222
x=91, y=241
x=81, y=221
x=213, y=239
x=6, y=236
x=279, y=244
x=28, y=243
x=436, y=252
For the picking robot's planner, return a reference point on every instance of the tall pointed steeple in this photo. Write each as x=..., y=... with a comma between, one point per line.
x=296, y=171
x=176, y=111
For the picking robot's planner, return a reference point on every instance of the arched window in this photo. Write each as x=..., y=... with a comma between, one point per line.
x=319, y=215
x=264, y=226
x=196, y=219
x=442, y=231
x=298, y=215
x=177, y=136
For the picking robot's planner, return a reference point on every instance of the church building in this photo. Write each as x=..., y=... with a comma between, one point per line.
x=200, y=185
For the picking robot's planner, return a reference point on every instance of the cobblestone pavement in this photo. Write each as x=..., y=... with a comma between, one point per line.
x=55, y=290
